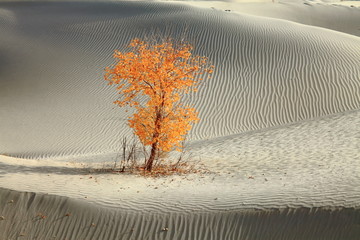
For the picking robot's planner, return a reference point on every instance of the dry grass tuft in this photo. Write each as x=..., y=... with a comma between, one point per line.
x=131, y=159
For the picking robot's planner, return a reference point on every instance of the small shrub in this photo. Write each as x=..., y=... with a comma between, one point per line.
x=159, y=73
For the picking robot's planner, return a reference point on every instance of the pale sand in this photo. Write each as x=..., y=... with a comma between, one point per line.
x=279, y=126
x=331, y=14
x=269, y=72
x=293, y=182
x=85, y=221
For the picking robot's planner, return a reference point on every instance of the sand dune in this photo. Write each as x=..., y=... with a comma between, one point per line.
x=268, y=72
x=291, y=182
x=310, y=164
x=86, y=222
x=326, y=14
x=279, y=130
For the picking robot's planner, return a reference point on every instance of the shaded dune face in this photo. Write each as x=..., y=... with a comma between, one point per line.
x=76, y=219
x=53, y=101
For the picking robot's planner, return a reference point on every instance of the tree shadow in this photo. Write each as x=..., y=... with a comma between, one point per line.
x=8, y=169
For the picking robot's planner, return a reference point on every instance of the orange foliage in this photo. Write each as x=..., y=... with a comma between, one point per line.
x=160, y=73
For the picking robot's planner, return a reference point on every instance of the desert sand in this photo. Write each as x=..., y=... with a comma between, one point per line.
x=278, y=137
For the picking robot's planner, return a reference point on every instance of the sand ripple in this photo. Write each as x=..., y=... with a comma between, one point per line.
x=73, y=219
x=268, y=72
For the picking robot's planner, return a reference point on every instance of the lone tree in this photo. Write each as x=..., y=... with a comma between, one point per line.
x=152, y=77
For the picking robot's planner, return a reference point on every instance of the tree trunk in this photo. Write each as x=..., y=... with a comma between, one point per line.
x=151, y=159
x=154, y=146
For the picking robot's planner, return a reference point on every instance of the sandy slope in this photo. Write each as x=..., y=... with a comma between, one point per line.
x=75, y=219
x=313, y=164
x=292, y=182
x=326, y=14
x=268, y=72
x=279, y=130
